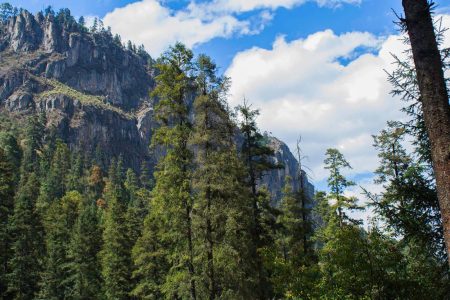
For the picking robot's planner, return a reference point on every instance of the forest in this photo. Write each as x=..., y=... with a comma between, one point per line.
x=199, y=225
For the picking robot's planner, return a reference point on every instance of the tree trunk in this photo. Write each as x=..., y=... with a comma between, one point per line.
x=434, y=96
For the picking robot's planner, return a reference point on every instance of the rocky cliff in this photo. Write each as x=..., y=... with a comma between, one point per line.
x=94, y=91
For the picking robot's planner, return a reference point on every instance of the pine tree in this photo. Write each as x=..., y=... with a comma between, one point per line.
x=418, y=23
x=409, y=203
x=54, y=185
x=145, y=179
x=25, y=225
x=291, y=260
x=34, y=136
x=172, y=201
x=409, y=207
x=335, y=162
x=83, y=266
x=75, y=179
x=82, y=22
x=58, y=223
x=115, y=254
x=342, y=240
x=7, y=11
x=27, y=249
x=256, y=155
x=137, y=209
x=95, y=27
x=12, y=152
x=149, y=257
x=214, y=183
x=7, y=190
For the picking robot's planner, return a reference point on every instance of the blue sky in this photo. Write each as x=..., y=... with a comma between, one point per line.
x=314, y=67
x=374, y=16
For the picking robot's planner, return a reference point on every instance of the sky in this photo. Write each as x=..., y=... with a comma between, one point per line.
x=314, y=68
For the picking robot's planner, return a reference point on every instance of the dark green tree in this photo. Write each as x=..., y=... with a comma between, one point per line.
x=7, y=190
x=83, y=267
x=257, y=158
x=54, y=184
x=138, y=199
x=216, y=180
x=75, y=179
x=12, y=152
x=115, y=255
x=172, y=200
x=290, y=262
x=409, y=207
x=59, y=220
x=335, y=162
x=25, y=225
x=145, y=177
x=34, y=138
x=27, y=247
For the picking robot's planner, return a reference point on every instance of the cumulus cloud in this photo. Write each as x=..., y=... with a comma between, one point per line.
x=156, y=26
x=148, y=22
x=331, y=89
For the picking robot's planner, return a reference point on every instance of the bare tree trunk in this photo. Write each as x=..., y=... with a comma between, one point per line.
x=434, y=96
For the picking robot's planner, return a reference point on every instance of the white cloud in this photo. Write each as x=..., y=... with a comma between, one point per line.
x=303, y=87
x=154, y=25
x=148, y=22
x=237, y=6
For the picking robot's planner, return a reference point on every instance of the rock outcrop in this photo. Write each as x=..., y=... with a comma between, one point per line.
x=94, y=91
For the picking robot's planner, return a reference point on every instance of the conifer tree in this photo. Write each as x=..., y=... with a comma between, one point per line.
x=7, y=190
x=290, y=261
x=54, y=185
x=26, y=248
x=149, y=257
x=25, y=225
x=95, y=27
x=215, y=183
x=137, y=208
x=256, y=155
x=172, y=200
x=335, y=162
x=145, y=179
x=83, y=267
x=342, y=240
x=115, y=254
x=34, y=137
x=75, y=179
x=12, y=152
x=59, y=220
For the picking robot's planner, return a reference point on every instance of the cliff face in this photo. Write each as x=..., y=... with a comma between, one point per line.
x=275, y=180
x=95, y=93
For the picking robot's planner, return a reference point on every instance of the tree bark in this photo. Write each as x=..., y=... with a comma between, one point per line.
x=434, y=96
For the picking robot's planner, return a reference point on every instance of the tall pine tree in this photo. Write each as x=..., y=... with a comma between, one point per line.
x=7, y=190
x=256, y=155
x=172, y=201
x=115, y=255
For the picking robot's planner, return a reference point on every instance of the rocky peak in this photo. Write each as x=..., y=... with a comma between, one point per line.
x=90, y=62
